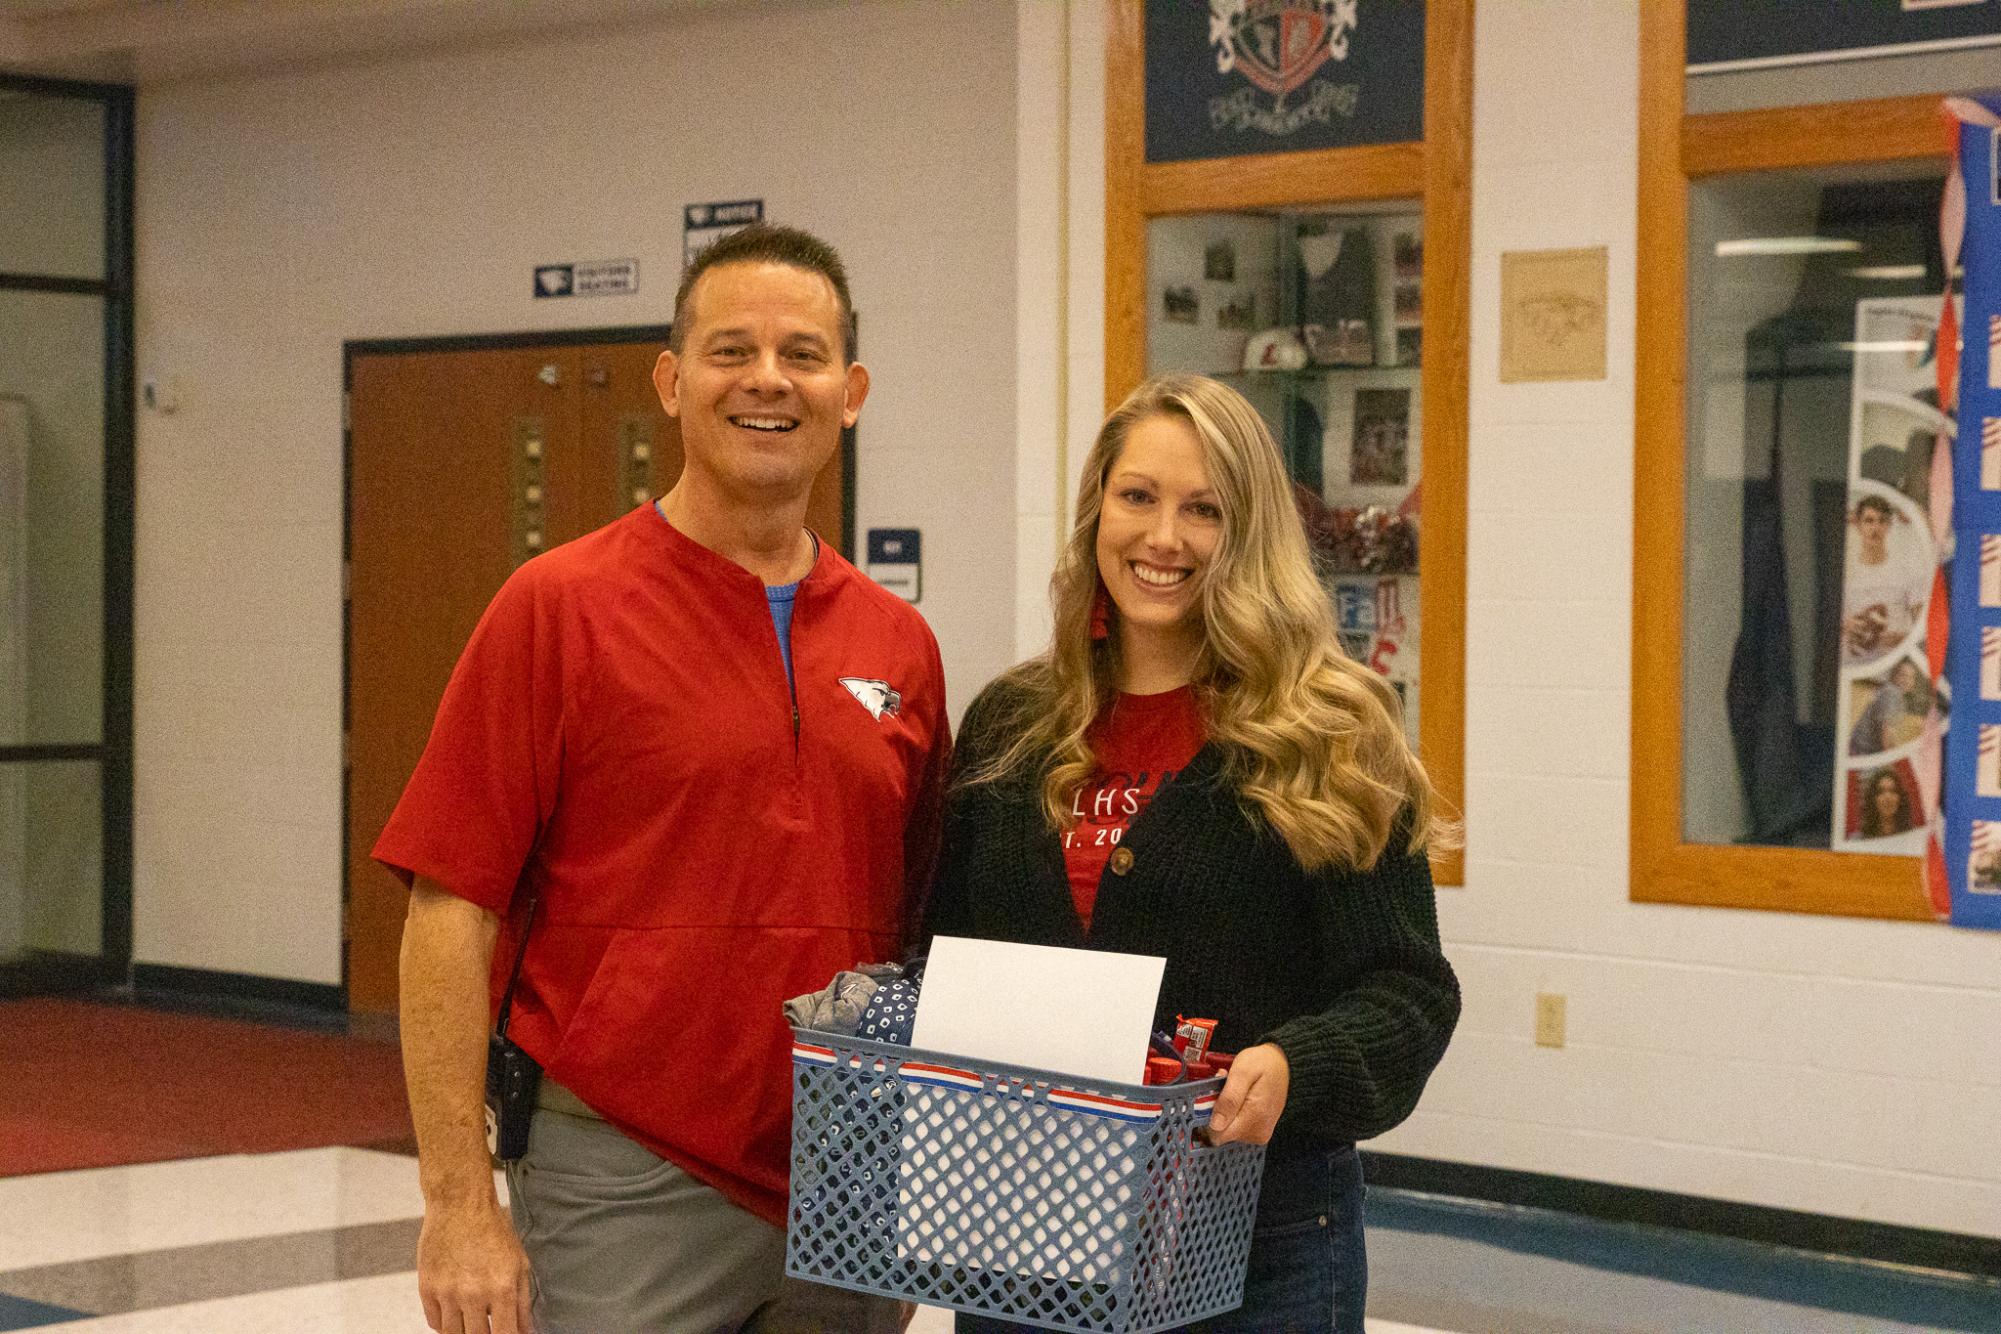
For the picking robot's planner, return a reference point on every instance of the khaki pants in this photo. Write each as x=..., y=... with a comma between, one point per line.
x=624, y=1242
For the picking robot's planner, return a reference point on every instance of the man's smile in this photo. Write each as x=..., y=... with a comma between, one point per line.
x=774, y=424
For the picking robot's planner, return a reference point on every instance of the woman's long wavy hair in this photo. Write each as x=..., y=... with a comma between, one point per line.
x=1313, y=741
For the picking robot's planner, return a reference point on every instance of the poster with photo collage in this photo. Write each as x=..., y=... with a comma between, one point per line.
x=1890, y=565
x=1968, y=851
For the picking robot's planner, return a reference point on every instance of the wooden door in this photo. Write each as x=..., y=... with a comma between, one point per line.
x=447, y=452
x=464, y=464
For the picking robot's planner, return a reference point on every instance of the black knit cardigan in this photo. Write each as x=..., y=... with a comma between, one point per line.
x=1341, y=969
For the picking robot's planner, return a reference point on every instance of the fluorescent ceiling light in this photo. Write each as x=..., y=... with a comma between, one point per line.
x=1786, y=245
x=1887, y=345
x=1887, y=272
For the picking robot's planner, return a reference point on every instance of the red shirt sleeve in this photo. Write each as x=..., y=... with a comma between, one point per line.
x=487, y=781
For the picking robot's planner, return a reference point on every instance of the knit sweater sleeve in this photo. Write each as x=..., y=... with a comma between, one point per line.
x=1358, y=1066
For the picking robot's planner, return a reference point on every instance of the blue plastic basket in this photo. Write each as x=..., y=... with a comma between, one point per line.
x=1018, y=1193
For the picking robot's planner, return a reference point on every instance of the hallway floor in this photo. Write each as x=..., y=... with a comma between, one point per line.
x=318, y=1241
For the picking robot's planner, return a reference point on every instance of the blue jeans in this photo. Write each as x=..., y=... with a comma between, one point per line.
x=1309, y=1270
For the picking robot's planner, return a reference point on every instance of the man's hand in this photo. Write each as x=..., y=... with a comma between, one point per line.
x=471, y=1271
x=1248, y=1108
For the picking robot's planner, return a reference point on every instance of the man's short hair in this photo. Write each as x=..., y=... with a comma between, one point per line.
x=1876, y=503
x=765, y=243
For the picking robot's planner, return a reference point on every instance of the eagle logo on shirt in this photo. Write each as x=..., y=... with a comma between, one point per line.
x=875, y=696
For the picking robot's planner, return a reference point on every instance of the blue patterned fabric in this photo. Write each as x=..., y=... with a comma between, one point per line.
x=891, y=1013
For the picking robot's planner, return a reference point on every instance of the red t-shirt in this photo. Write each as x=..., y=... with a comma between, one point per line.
x=1140, y=743
x=619, y=739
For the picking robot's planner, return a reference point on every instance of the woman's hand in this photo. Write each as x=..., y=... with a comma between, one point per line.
x=1252, y=1098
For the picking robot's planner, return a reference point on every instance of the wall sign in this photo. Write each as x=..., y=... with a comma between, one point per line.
x=597, y=277
x=702, y=225
x=1553, y=315
x=895, y=560
x=1728, y=35
x=1231, y=77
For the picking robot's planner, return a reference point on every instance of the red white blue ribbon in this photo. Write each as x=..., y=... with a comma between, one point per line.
x=924, y=1073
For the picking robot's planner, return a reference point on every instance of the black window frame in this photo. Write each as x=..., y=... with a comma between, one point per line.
x=113, y=751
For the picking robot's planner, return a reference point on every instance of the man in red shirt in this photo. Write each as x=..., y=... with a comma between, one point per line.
x=695, y=757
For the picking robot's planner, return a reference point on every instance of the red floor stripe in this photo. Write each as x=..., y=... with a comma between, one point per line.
x=86, y=1085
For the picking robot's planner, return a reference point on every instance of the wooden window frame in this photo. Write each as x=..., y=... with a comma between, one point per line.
x=1437, y=172
x=1674, y=149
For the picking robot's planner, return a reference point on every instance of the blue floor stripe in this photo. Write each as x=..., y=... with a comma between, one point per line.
x=18, y=1314
x=1725, y=1264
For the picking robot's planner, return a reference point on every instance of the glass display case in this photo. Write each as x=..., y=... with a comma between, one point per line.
x=1316, y=317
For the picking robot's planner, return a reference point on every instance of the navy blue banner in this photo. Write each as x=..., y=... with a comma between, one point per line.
x=1973, y=745
x=1788, y=31
x=1226, y=78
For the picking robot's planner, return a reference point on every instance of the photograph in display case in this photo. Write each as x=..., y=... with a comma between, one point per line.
x=1883, y=804
x=1238, y=312
x=1379, y=455
x=1408, y=250
x=1888, y=711
x=1180, y=305
x=1983, y=867
x=1409, y=305
x=1410, y=346
x=1887, y=576
x=1219, y=262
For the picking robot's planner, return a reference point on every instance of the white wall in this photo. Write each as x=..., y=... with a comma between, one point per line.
x=1060, y=296
x=1845, y=1067
x=281, y=216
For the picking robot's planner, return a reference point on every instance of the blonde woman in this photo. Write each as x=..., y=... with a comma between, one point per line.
x=1195, y=771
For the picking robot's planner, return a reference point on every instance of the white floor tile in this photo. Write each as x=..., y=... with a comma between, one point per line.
x=58, y=1217
x=386, y=1305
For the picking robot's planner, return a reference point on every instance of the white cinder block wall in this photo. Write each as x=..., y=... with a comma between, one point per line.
x=1845, y=1067
x=279, y=216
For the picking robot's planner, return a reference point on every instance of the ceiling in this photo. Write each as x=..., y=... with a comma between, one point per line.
x=147, y=42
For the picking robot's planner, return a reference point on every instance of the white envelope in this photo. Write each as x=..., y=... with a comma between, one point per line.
x=1087, y=1013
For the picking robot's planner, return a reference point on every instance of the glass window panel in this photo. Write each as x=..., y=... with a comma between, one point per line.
x=51, y=860
x=51, y=518
x=1315, y=316
x=52, y=209
x=1812, y=418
